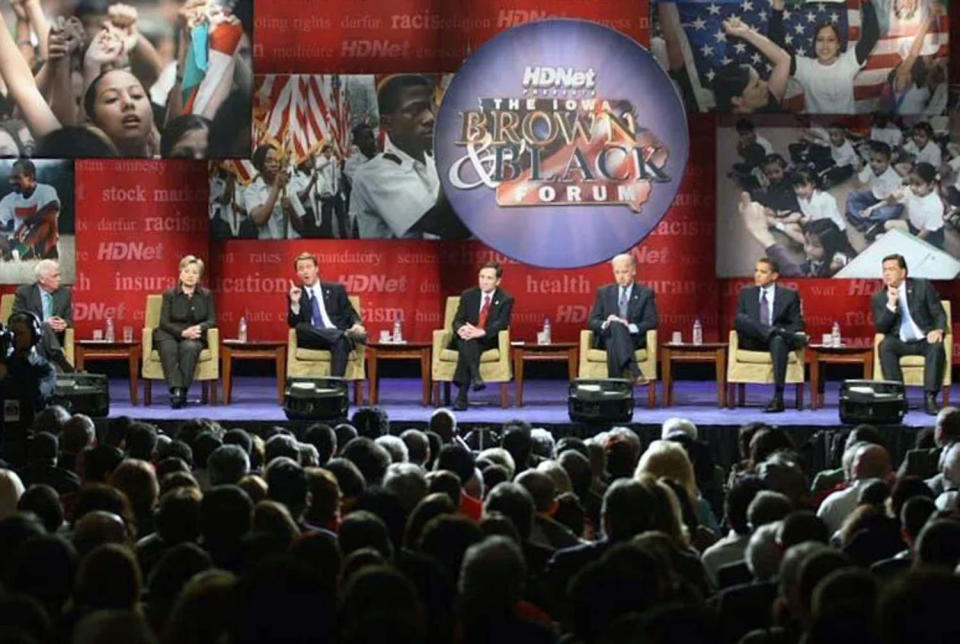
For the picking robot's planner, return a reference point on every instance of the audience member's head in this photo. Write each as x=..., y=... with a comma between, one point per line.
x=418, y=446
x=938, y=544
x=362, y=529
x=322, y=436
x=444, y=424
x=738, y=499
x=44, y=502
x=763, y=552
x=408, y=482
x=227, y=464
x=325, y=498
x=11, y=488
x=370, y=458
x=281, y=445
x=947, y=428
x=802, y=526
x=395, y=447
x=676, y=424
x=287, y=484
x=767, y=507
x=371, y=422
x=513, y=501
x=141, y=441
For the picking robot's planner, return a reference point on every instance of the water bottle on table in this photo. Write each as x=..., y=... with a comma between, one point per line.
x=397, y=330
x=835, y=335
x=546, y=331
x=242, y=329
x=697, y=332
x=110, y=335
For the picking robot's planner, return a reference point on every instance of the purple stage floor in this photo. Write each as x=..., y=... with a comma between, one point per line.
x=254, y=399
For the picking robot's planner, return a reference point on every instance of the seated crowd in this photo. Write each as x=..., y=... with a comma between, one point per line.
x=363, y=533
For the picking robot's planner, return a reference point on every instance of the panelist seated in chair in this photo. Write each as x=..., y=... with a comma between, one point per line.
x=185, y=315
x=483, y=312
x=51, y=303
x=769, y=319
x=622, y=314
x=322, y=315
x=909, y=314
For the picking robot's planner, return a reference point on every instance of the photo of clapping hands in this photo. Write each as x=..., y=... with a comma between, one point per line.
x=143, y=79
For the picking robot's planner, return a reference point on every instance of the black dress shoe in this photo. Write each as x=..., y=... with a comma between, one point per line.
x=477, y=384
x=774, y=406
x=930, y=404
x=460, y=404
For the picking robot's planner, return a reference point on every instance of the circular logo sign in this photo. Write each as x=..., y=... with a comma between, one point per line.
x=561, y=143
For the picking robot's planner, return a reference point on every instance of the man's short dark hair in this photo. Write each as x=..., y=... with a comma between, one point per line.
x=362, y=529
x=774, y=266
x=141, y=441
x=227, y=465
x=371, y=459
x=239, y=437
x=418, y=446
x=880, y=147
x=178, y=515
x=900, y=259
x=495, y=265
x=629, y=508
x=260, y=157
x=176, y=449
x=738, y=499
x=729, y=84
x=43, y=501
x=349, y=477
x=371, y=422
x=388, y=96
x=305, y=256
x=226, y=513
x=745, y=125
x=322, y=436
x=458, y=460
x=513, y=501
x=25, y=166
x=444, y=424
x=100, y=461
x=281, y=445
x=287, y=484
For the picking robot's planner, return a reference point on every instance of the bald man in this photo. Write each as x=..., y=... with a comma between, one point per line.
x=622, y=314
x=870, y=462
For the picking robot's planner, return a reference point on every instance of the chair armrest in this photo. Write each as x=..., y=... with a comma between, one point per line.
x=213, y=343
x=586, y=341
x=503, y=344
x=734, y=341
x=147, y=338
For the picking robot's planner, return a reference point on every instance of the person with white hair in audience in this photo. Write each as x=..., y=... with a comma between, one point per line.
x=676, y=424
x=11, y=489
x=394, y=446
x=869, y=462
x=950, y=468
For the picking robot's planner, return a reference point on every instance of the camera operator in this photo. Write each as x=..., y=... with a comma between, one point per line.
x=25, y=375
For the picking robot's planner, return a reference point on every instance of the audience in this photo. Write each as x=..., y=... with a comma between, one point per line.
x=321, y=534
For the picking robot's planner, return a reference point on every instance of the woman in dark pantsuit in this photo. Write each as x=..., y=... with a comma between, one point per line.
x=186, y=315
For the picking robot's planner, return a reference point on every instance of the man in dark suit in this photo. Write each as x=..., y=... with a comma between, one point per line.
x=52, y=304
x=769, y=319
x=484, y=312
x=621, y=317
x=908, y=312
x=322, y=315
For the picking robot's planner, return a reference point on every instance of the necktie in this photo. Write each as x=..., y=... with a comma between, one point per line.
x=46, y=303
x=764, y=307
x=907, y=326
x=315, y=305
x=623, y=302
x=484, y=310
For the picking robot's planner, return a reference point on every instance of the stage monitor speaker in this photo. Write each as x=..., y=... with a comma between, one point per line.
x=316, y=398
x=878, y=402
x=600, y=400
x=83, y=393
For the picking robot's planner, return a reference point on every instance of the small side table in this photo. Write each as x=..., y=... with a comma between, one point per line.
x=708, y=352
x=231, y=350
x=554, y=352
x=118, y=350
x=828, y=354
x=378, y=351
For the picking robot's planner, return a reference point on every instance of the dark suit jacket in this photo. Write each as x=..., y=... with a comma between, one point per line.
x=179, y=312
x=641, y=309
x=336, y=303
x=786, y=313
x=924, y=303
x=498, y=318
x=28, y=299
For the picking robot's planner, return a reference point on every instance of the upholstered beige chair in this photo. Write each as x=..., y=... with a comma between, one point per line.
x=593, y=361
x=912, y=366
x=6, y=308
x=315, y=363
x=207, y=371
x=756, y=367
x=495, y=363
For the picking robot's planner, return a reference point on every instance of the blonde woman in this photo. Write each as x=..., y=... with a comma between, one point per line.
x=666, y=459
x=186, y=315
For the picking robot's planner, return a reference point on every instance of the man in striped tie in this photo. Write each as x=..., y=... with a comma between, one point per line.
x=769, y=318
x=483, y=312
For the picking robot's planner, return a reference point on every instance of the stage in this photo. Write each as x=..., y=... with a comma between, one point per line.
x=545, y=403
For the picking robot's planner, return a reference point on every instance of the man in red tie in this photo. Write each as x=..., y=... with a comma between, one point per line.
x=484, y=311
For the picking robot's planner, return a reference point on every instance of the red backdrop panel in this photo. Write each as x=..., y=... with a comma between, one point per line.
x=381, y=36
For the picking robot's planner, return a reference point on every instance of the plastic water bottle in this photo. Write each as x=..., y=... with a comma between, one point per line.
x=242, y=329
x=397, y=330
x=697, y=332
x=109, y=335
x=546, y=331
x=835, y=334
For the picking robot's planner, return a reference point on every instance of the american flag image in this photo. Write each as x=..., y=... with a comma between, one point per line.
x=299, y=113
x=711, y=49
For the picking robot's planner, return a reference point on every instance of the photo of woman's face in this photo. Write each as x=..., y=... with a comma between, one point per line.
x=122, y=107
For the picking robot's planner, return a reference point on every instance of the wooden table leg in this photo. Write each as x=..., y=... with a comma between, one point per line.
x=373, y=375
x=425, y=376
x=134, y=366
x=573, y=357
x=816, y=398
x=868, y=366
x=80, y=356
x=666, y=375
x=722, y=377
x=226, y=372
x=518, y=374
x=281, y=373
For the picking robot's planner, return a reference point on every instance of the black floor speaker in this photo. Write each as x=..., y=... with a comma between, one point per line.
x=600, y=400
x=316, y=398
x=878, y=402
x=83, y=393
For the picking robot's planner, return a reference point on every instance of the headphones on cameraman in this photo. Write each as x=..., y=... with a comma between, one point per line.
x=33, y=323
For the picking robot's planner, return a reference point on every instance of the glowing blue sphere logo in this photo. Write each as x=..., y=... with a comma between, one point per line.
x=561, y=143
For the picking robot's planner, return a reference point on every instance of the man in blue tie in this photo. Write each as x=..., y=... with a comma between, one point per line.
x=322, y=315
x=909, y=313
x=769, y=319
x=52, y=304
x=621, y=316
